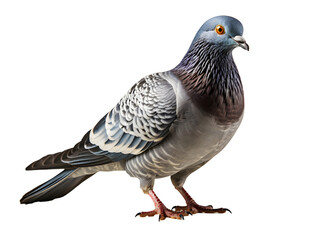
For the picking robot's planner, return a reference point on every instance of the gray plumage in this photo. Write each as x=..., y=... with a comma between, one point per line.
x=168, y=124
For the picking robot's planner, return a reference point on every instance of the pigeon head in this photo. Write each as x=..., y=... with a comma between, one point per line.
x=208, y=71
x=222, y=31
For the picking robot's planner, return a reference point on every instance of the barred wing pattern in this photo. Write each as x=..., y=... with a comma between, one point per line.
x=139, y=121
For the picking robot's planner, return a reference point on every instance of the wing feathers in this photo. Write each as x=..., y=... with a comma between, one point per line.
x=138, y=122
x=71, y=158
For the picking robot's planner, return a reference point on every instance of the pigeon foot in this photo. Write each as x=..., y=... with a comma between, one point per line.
x=163, y=213
x=194, y=208
x=161, y=210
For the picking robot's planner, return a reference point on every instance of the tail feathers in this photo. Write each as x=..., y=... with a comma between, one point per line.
x=51, y=161
x=57, y=187
x=83, y=154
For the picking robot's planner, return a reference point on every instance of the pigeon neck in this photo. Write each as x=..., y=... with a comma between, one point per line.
x=210, y=76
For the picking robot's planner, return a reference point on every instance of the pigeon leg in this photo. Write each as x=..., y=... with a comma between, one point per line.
x=193, y=207
x=161, y=210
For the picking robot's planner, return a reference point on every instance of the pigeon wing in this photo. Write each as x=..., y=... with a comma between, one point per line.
x=138, y=122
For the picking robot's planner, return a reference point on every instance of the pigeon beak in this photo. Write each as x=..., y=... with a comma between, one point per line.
x=241, y=42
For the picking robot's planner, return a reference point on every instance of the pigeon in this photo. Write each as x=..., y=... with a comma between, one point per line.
x=168, y=124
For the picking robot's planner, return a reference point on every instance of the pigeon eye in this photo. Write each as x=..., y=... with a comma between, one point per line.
x=220, y=29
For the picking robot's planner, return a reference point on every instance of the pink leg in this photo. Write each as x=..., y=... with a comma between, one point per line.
x=160, y=209
x=193, y=207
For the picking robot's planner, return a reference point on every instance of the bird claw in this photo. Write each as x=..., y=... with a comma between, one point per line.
x=185, y=211
x=179, y=209
x=189, y=213
x=227, y=210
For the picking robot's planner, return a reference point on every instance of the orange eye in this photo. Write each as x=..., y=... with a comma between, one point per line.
x=220, y=29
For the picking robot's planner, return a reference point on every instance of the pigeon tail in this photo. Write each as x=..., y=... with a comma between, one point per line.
x=78, y=156
x=57, y=187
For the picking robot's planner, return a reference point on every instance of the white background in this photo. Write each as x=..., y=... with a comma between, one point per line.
x=64, y=64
